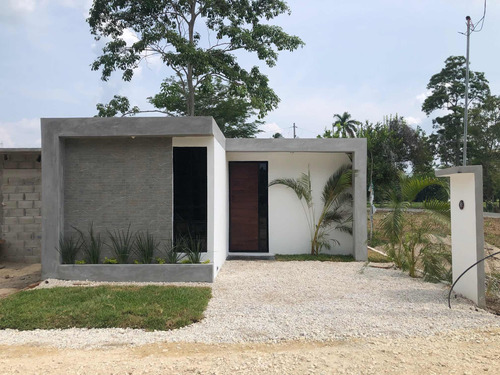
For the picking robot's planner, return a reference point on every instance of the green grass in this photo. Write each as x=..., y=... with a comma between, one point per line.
x=308, y=257
x=149, y=307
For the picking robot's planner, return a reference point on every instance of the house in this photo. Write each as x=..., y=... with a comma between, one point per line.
x=181, y=175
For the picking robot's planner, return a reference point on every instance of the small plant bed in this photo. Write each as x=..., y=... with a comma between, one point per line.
x=149, y=307
x=309, y=257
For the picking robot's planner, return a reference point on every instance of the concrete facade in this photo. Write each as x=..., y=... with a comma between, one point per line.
x=20, y=215
x=104, y=192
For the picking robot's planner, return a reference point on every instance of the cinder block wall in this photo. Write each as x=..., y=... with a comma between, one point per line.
x=20, y=215
x=114, y=182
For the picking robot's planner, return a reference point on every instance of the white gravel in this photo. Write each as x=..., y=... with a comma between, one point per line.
x=261, y=301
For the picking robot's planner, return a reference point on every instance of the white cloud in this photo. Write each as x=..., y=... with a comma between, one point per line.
x=421, y=97
x=269, y=129
x=19, y=134
x=413, y=120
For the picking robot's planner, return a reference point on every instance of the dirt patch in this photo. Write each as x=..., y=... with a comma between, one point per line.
x=17, y=276
x=462, y=352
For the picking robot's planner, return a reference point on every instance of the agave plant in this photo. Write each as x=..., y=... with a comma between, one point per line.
x=336, y=212
x=92, y=244
x=145, y=247
x=173, y=253
x=69, y=247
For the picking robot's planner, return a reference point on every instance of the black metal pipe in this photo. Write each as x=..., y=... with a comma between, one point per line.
x=463, y=273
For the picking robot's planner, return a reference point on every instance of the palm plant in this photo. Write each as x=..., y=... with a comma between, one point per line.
x=344, y=126
x=407, y=240
x=336, y=212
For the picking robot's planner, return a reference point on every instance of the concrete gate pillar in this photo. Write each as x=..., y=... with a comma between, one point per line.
x=467, y=234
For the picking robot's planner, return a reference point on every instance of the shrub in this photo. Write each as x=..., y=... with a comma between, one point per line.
x=145, y=247
x=121, y=244
x=91, y=244
x=173, y=253
x=69, y=248
x=193, y=247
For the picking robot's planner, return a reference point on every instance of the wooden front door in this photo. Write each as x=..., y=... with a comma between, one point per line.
x=248, y=207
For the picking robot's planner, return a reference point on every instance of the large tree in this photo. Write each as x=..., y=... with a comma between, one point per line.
x=175, y=31
x=448, y=94
x=484, y=145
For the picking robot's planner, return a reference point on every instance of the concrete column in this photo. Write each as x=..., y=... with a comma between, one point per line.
x=467, y=233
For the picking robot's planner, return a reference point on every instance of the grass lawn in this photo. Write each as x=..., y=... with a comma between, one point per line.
x=148, y=307
x=320, y=258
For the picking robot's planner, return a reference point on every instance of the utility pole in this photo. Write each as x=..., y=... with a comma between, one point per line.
x=466, y=112
x=294, y=127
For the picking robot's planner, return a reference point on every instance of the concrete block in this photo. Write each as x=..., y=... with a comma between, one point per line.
x=14, y=181
x=14, y=245
x=38, y=219
x=25, y=189
x=32, y=196
x=25, y=204
x=6, y=189
x=38, y=188
x=5, y=228
x=37, y=204
x=32, y=181
x=17, y=157
x=26, y=220
x=32, y=244
x=9, y=204
x=16, y=197
x=9, y=164
x=33, y=228
x=11, y=220
x=15, y=212
x=33, y=212
x=27, y=165
x=25, y=236
x=16, y=228
x=9, y=237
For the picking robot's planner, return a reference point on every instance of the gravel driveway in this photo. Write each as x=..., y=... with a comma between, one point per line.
x=263, y=301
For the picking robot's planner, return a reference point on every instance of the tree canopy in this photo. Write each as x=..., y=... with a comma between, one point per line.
x=448, y=94
x=175, y=30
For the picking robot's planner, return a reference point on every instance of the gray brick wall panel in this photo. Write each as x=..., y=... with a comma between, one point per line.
x=116, y=181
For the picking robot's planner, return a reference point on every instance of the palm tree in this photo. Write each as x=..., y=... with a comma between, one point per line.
x=344, y=126
x=337, y=202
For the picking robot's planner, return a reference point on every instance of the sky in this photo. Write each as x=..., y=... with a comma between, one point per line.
x=371, y=58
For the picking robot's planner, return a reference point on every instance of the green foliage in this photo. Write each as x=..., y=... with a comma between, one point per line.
x=448, y=94
x=110, y=260
x=69, y=248
x=336, y=212
x=173, y=253
x=436, y=262
x=192, y=247
x=230, y=109
x=92, y=244
x=81, y=261
x=145, y=247
x=117, y=105
x=316, y=257
x=122, y=243
x=150, y=307
x=173, y=30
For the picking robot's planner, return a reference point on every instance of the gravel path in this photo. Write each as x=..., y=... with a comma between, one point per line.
x=262, y=301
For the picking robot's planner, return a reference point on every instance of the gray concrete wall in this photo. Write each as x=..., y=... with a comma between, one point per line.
x=114, y=182
x=20, y=215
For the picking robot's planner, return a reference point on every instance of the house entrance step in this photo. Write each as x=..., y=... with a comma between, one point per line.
x=250, y=256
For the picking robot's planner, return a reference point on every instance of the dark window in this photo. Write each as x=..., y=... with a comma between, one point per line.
x=190, y=193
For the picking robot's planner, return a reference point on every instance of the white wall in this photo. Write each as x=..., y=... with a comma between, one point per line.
x=220, y=206
x=288, y=230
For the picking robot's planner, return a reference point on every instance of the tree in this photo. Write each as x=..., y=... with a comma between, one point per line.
x=448, y=94
x=214, y=98
x=484, y=146
x=172, y=30
x=336, y=212
x=344, y=126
